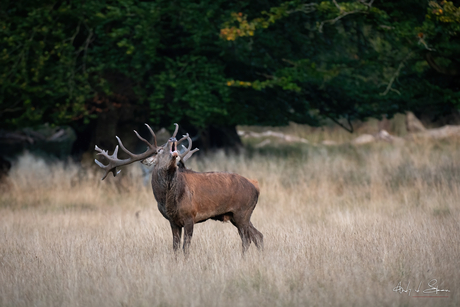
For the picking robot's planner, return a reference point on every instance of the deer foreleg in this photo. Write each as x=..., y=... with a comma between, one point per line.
x=188, y=232
x=177, y=232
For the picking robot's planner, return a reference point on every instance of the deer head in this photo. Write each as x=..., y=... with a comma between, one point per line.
x=149, y=157
x=169, y=157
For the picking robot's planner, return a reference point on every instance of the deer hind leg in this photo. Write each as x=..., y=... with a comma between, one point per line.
x=245, y=237
x=256, y=236
x=243, y=230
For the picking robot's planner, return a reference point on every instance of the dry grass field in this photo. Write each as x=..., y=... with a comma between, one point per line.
x=342, y=226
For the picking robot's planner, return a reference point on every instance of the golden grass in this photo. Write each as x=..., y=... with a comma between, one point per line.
x=342, y=226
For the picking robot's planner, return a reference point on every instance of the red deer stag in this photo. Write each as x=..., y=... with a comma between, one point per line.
x=186, y=197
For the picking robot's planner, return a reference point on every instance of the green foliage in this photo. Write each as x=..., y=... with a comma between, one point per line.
x=55, y=55
x=354, y=59
x=220, y=63
x=59, y=59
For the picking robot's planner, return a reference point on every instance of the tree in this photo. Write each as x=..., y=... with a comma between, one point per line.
x=100, y=64
x=105, y=66
x=353, y=59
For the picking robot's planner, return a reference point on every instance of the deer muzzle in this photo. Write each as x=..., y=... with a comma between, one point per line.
x=173, y=148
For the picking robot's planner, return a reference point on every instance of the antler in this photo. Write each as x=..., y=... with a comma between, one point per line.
x=187, y=153
x=114, y=162
x=175, y=131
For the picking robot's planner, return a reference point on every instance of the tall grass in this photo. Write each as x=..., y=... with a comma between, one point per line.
x=342, y=226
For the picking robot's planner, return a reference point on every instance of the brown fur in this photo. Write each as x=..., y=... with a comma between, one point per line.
x=186, y=197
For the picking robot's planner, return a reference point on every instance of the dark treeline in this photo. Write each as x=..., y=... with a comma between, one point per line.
x=106, y=67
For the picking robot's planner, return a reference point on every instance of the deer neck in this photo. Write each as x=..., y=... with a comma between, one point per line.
x=166, y=186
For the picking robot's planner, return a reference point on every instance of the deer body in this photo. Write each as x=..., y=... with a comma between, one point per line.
x=191, y=194
x=186, y=197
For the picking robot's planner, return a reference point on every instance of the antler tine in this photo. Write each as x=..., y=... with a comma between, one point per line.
x=154, y=136
x=115, y=162
x=108, y=168
x=187, y=156
x=187, y=153
x=124, y=148
x=184, y=137
x=175, y=131
x=154, y=146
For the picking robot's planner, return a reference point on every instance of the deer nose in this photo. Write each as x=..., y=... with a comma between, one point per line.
x=172, y=139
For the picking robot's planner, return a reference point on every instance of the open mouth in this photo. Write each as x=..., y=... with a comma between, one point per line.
x=174, y=147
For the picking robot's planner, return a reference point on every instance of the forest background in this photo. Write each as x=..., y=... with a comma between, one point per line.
x=106, y=67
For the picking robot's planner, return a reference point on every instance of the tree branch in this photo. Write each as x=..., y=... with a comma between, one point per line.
x=337, y=5
x=71, y=39
x=422, y=42
x=305, y=8
x=395, y=75
x=369, y=4
x=21, y=55
x=343, y=14
x=444, y=71
x=266, y=76
x=11, y=108
x=350, y=129
x=89, y=40
x=289, y=62
x=332, y=21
